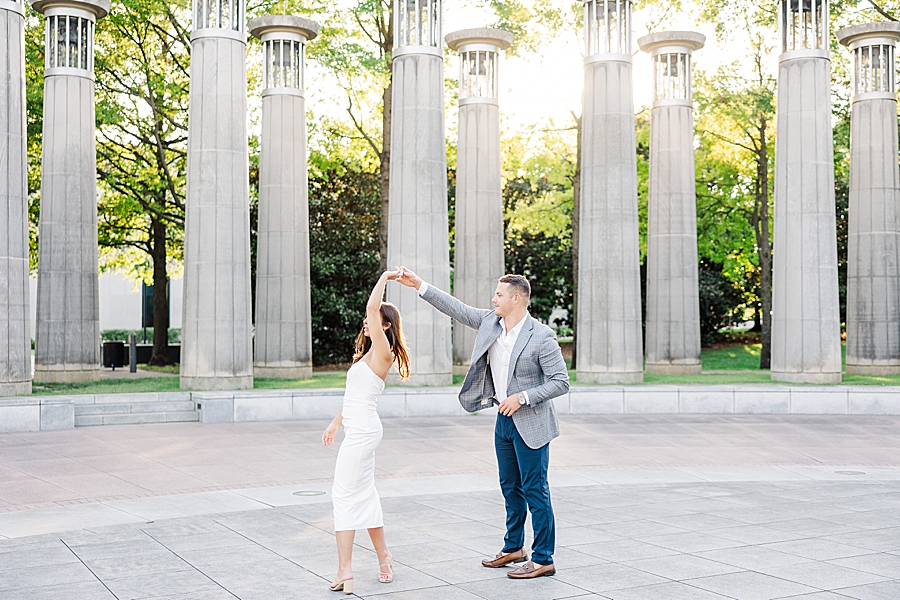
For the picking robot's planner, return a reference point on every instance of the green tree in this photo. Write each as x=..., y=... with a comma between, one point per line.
x=356, y=46
x=539, y=172
x=344, y=213
x=735, y=118
x=142, y=74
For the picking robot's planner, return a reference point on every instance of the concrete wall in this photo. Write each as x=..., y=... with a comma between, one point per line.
x=120, y=302
x=15, y=334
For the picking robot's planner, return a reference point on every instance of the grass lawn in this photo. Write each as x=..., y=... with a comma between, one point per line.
x=171, y=384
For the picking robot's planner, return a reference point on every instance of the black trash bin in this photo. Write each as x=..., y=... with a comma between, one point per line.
x=113, y=354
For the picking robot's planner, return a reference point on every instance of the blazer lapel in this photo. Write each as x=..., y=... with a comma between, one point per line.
x=483, y=343
x=521, y=342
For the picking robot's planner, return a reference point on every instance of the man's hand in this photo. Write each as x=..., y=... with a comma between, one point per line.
x=408, y=278
x=509, y=406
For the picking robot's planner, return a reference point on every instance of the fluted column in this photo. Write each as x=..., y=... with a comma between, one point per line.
x=609, y=344
x=418, y=235
x=67, y=344
x=479, y=189
x=283, y=345
x=216, y=351
x=873, y=270
x=673, y=297
x=15, y=335
x=806, y=332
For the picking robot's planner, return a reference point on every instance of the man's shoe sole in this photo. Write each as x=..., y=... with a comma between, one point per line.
x=514, y=561
x=547, y=574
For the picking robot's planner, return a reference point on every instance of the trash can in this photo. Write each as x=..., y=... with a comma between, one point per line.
x=113, y=354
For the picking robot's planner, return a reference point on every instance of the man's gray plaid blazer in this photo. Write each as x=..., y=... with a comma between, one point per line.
x=536, y=367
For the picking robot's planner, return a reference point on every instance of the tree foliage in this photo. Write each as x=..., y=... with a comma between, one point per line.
x=344, y=213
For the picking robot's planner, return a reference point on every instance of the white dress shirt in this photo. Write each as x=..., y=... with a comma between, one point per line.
x=499, y=354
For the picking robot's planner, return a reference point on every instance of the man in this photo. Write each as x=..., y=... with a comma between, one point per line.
x=516, y=365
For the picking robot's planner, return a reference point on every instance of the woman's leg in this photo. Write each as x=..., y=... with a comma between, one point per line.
x=385, y=560
x=345, y=554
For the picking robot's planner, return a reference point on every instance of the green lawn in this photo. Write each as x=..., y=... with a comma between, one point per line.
x=731, y=358
x=171, y=384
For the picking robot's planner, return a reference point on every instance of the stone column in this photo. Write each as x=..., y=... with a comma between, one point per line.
x=806, y=331
x=873, y=272
x=673, y=295
x=15, y=335
x=67, y=344
x=608, y=339
x=216, y=352
x=283, y=346
x=479, y=189
x=418, y=234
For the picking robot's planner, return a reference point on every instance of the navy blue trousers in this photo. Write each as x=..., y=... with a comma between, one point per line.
x=523, y=480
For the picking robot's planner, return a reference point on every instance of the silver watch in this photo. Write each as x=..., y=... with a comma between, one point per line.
x=521, y=397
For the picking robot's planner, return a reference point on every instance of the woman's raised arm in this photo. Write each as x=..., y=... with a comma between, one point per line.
x=381, y=349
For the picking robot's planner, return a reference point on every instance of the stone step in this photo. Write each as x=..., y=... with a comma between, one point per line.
x=123, y=398
x=133, y=407
x=184, y=416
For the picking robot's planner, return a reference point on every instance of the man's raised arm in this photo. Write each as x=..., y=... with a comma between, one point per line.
x=444, y=302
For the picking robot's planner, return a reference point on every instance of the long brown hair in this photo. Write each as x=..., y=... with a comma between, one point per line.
x=394, y=333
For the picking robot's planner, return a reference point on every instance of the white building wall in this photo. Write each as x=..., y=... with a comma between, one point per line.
x=120, y=302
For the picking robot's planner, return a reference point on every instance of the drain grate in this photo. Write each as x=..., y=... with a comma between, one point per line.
x=309, y=493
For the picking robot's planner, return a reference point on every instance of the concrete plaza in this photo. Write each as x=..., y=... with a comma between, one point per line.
x=648, y=507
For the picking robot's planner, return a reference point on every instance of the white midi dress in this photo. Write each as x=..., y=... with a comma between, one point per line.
x=356, y=501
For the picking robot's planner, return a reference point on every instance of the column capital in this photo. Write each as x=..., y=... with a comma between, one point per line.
x=276, y=25
x=495, y=39
x=882, y=32
x=97, y=8
x=671, y=42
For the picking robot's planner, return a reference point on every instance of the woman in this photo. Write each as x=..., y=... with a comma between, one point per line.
x=379, y=345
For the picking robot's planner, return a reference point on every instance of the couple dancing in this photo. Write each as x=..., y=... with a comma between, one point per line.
x=516, y=365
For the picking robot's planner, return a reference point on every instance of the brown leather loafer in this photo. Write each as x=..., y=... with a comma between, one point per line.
x=531, y=570
x=505, y=558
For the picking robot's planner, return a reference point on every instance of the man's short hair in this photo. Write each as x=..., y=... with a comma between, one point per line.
x=520, y=285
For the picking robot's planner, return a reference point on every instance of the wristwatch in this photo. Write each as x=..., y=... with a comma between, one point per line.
x=521, y=398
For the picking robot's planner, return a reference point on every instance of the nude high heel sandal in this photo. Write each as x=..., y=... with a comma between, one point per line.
x=345, y=586
x=386, y=577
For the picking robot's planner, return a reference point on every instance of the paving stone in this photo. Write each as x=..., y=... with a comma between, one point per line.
x=751, y=557
x=825, y=576
x=86, y=590
x=817, y=549
x=888, y=590
x=669, y=591
x=886, y=565
x=144, y=585
x=747, y=585
x=605, y=577
x=681, y=566
x=544, y=588
x=623, y=550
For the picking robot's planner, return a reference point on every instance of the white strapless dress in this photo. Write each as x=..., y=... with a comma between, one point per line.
x=356, y=501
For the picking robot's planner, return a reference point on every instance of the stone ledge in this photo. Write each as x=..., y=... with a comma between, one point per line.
x=36, y=413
